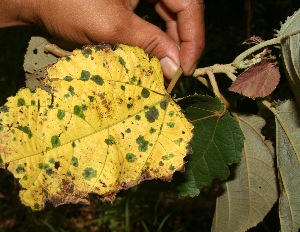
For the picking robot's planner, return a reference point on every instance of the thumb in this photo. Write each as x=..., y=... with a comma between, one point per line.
x=155, y=42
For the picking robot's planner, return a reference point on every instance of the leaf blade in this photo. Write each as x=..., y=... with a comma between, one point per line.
x=259, y=80
x=251, y=193
x=217, y=143
x=289, y=35
x=288, y=162
x=107, y=125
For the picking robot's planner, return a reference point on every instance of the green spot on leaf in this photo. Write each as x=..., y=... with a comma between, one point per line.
x=85, y=75
x=123, y=63
x=51, y=161
x=68, y=173
x=123, y=87
x=20, y=169
x=86, y=52
x=21, y=102
x=97, y=79
x=91, y=98
x=165, y=157
x=110, y=140
x=145, y=93
x=33, y=102
x=152, y=114
x=161, y=163
x=26, y=130
x=131, y=158
x=152, y=130
x=129, y=106
x=71, y=90
x=171, y=168
x=55, y=141
x=74, y=161
x=89, y=173
x=67, y=95
x=73, y=144
x=43, y=166
x=1, y=160
x=49, y=171
x=143, y=144
x=84, y=107
x=171, y=113
x=137, y=117
x=61, y=114
x=78, y=110
x=178, y=141
x=171, y=124
x=25, y=178
x=163, y=105
x=128, y=130
x=68, y=78
x=132, y=80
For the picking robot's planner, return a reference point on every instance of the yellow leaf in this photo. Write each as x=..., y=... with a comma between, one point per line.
x=107, y=125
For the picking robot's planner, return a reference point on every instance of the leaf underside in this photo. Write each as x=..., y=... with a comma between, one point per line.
x=288, y=162
x=250, y=195
x=289, y=35
x=107, y=125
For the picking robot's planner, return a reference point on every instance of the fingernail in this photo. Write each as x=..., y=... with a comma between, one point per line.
x=169, y=68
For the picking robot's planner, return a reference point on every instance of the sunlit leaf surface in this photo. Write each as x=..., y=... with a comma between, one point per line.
x=107, y=125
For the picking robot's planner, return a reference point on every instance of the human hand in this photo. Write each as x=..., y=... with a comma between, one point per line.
x=114, y=21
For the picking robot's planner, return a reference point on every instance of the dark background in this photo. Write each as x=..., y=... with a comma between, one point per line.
x=152, y=206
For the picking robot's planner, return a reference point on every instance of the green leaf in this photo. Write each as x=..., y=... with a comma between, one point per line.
x=217, y=143
x=289, y=35
x=288, y=161
x=252, y=191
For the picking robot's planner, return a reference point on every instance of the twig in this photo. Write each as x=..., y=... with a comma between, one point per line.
x=217, y=68
x=253, y=49
x=206, y=83
x=174, y=80
x=213, y=83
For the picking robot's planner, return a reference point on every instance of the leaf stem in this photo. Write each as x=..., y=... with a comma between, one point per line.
x=268, y=105
x=289, y=35
x=213, y=83
x=174, y=80
x=55, y=50
x=251, y=50
x=206, y=83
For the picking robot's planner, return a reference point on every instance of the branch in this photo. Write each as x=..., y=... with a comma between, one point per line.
x=253, y=49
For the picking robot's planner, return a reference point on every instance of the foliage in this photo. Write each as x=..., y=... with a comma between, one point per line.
x=254, y=181
x=107, y=124
x=252, y=199
x=214, y=150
